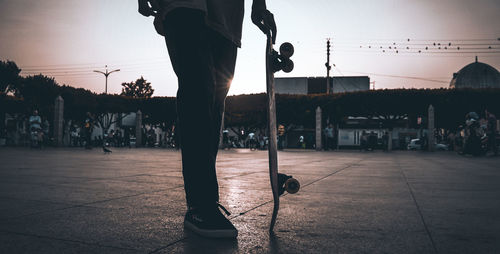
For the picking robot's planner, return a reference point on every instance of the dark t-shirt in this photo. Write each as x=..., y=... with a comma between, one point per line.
x=223, y=16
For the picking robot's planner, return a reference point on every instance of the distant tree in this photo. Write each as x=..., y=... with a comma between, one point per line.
x=138, y=89
x=39, y=92
x=9, y=77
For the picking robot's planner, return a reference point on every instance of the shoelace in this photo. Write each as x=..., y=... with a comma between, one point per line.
x=223, y=209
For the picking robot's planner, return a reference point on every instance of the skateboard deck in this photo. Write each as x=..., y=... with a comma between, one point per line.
x=279, y=182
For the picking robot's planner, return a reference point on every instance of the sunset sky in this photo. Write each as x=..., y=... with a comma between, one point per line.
x=69, y=39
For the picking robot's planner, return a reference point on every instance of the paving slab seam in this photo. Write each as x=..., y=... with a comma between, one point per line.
x=168, y=245
x=263, y=204
x=417, y=206
x=120, y=177
x=240, y=175
x=302, y=186
x=40, y=184
x=90, y=203
x=83, y=179
x=156, y=175
x=442, y=164
x=68, y=240
x=36, y=200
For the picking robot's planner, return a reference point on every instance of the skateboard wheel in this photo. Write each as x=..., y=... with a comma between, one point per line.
x=292, y=186
x=287, y=65
x=286, y=49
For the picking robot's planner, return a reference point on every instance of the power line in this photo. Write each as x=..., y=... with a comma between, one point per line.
x=116, y=62
x=398, y=76
x=63, y=71
x=340, y=80
x=421, y=46
x=419, y=53
x=90, y=67
x=340, y=39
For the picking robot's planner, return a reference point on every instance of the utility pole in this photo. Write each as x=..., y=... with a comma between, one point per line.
x=373, y=82
x=106, y=74
x=328, y=66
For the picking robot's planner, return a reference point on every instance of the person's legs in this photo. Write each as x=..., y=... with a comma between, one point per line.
x=224, y=57
x=191, y=56
x=204, y=64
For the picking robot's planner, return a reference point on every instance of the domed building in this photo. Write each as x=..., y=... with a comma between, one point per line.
x=476, y=75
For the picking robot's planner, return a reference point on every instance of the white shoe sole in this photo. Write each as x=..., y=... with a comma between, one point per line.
x=211, y=233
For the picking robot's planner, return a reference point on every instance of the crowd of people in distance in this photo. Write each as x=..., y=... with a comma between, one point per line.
x=251, y=140
x=477, y=136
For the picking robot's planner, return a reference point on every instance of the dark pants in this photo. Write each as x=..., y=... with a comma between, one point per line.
x=492, y=144
x=88, y=138
x=329, y=143
x=204, y=64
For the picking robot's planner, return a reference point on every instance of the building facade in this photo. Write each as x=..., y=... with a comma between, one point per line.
x=317, y=85
x=476, y=75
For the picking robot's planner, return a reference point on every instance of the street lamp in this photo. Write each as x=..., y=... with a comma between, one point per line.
x=106, y=74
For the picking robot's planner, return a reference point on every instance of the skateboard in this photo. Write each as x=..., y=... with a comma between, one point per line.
x=279, y=182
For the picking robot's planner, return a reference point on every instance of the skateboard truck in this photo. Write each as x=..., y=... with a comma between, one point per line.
x=281, y=61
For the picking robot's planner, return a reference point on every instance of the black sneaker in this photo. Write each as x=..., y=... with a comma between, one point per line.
x=210, y=222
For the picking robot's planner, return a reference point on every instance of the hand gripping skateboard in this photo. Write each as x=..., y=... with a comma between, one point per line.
x=279, y=182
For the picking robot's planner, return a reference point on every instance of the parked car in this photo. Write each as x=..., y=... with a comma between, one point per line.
x=441, y=147
x=416, y=144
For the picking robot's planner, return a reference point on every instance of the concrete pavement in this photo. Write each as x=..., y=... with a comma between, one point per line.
x=132, y=201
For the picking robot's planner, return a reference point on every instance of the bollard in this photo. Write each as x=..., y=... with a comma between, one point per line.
x=430, y=131
x=138, y=129
x=319, y=132
x=58, y=121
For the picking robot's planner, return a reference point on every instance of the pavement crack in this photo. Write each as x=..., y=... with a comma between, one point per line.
x=168, y=245
x=302, y=187
x=418, y=207
x=72, y=206
x=68, y=240
x=333, y=173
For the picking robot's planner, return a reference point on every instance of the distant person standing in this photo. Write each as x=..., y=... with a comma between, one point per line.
x=385, y=141
x=491, y=132
x=329, y=137
x=46, y=129
x=451, y=141
x=262, y=142
x=36, y=134
x=424, y=142
x=202, y=38
x=225, y=139
x=252, y=142
x=73, y=135
x=302, y=143
x=126, y=137
x=372, y=141
x=364, y=141
x=281, y=137
x=88, y=126
x=35, y=121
